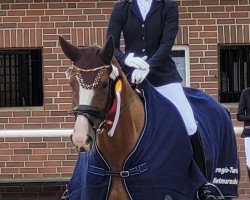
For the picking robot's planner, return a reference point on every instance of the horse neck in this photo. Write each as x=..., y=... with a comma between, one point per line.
x=131, y=121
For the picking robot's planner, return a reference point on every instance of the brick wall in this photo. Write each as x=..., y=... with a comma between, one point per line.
x=37, y=167
x=27, y=158
x=205, y=24
x=32, y=191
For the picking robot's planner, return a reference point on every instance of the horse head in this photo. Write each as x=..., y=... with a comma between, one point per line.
x=93, y=78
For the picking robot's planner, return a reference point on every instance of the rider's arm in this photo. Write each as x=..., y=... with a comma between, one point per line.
x=115, y=29
x=170, y=31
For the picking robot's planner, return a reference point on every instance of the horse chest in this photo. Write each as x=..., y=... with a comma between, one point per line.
x=117, y=191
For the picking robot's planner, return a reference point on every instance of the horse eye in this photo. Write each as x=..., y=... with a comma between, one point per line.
x=103, y=85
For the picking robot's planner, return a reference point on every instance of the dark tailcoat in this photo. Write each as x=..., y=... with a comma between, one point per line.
x=153, y=37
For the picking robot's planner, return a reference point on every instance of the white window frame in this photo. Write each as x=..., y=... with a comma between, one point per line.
x=185, y=48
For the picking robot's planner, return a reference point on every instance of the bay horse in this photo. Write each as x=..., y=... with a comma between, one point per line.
x=133, y=143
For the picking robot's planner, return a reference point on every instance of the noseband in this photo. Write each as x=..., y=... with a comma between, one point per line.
x=88, y=111
x=91, y=112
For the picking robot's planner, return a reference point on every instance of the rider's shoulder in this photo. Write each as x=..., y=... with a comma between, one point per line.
x=124, y=1
x=171, y=3
x=121, y=2
x=246, y=90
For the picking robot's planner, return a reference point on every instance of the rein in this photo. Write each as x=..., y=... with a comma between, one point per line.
x=105, y=115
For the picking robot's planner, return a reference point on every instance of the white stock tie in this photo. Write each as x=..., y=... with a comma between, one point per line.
x=144, y=6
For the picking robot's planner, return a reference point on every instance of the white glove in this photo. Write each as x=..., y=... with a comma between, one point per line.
x=139, y=75
x=136, y=62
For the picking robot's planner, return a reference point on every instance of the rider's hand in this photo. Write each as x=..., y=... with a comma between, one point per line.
x=136, y=62
x=139, y=75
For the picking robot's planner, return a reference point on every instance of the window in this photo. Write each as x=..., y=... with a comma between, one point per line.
x=180, y=55
x=234, y=72
x=21, y=78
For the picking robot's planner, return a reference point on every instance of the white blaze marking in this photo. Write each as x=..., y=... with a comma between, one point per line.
x=81, y=128
x=85, y=96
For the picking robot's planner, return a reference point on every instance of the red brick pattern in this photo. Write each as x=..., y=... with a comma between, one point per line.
x=204, y=25
x=53, y=158
x=36, y=158
x=44, y=192
x=38, y=24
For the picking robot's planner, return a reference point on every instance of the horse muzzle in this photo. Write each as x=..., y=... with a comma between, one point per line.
x=83, y=136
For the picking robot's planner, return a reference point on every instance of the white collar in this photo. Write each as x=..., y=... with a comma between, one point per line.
x=144, y=6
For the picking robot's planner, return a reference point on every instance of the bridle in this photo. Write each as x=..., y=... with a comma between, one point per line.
x=91, y=112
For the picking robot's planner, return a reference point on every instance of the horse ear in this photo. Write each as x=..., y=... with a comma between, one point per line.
x=107, y=50
x=71, y=51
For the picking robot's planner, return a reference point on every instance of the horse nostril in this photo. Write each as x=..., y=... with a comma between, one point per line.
x=81, y=149
x=89, y=142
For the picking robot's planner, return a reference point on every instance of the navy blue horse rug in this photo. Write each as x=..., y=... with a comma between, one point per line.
x=161, y=166
x=218, y=137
